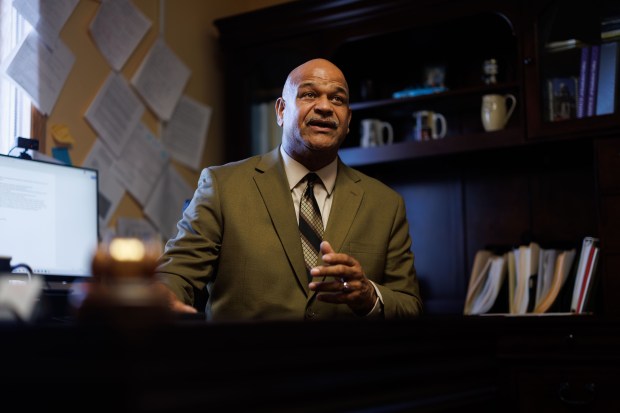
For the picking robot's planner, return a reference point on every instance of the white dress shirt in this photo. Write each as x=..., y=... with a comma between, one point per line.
x=323, y=192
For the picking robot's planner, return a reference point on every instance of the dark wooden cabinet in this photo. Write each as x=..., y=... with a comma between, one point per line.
x=431, y=364
x=559, y=365
x=535, y=180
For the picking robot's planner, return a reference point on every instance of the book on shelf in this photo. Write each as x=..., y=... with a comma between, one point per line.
x=607, y=75
x=550, y=299
x=610, y=28
x=418, y=91
x=597, y=80
x=592, y=80
x=590, y=297
x=479, y=268
x=611, y=34
x=561, y=45
x=562, y=98
x=586, y=272
x=530, y=279
x=583, y=81
x=486, y=282
x=546, y=266
x=512, y=280
x=526, y=269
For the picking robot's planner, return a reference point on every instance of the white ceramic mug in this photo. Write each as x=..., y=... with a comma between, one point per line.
x=429, y=125
x=496, y=110
x=376, y=132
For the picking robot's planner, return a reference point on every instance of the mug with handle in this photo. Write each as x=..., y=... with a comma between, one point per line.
x=497, y=110
x=376, y=132
x=429, y=125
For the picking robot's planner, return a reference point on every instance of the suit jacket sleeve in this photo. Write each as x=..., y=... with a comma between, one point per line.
x=378, y=237
x=190, y=257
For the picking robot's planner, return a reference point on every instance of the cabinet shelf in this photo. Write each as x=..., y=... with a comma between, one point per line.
x=435, y=97
x=461, y=108
x=402, y=151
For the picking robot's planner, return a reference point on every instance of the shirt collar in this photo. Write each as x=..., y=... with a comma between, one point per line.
x=295, y=172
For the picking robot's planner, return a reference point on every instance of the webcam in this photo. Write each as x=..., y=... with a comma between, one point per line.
x=27, y=144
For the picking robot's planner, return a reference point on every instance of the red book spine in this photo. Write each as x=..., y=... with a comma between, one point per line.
x=586, y=278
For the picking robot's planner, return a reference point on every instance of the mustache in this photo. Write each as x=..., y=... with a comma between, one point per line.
x=324, y=123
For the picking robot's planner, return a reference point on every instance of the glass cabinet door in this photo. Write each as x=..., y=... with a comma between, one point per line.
x=571, y=67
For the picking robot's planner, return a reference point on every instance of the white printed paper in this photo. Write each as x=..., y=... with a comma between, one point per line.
x=40, y=71
x=160, y=80
x=110, y=190
x=141, y=164
x=117, y=30
x=186, y=133
x=115, y=112
x=46, y=17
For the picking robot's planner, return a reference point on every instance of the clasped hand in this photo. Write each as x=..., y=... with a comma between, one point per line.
x=343, y=281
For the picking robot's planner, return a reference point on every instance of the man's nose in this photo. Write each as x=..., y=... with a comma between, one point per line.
x=323, y=104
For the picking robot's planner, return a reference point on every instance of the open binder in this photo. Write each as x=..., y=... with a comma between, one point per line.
x=530, y=279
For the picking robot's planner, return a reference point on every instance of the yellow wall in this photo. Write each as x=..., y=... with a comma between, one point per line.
x=189, y=31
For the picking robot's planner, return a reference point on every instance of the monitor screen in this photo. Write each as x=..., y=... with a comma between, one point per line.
x=48, y=217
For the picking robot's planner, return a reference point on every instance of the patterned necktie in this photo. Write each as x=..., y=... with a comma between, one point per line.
x=310, y=223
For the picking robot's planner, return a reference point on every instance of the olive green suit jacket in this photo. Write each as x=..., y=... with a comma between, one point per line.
x=238, y=246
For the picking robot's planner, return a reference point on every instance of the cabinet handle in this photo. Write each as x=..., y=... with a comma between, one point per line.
x=576, y=397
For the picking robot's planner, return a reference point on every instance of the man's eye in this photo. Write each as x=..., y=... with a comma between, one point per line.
x=308, y=95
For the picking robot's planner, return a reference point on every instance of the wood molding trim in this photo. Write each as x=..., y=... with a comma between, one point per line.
x=38, y=127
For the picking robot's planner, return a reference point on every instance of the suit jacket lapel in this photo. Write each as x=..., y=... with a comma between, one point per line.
x=347, y=199
x=273, y=186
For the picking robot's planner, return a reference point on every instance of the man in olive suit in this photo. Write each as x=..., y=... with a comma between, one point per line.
x=240, y=245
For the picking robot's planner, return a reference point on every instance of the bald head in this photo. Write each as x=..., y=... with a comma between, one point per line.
x=315, y=68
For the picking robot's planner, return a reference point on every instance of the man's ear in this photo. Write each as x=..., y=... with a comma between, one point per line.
x=280, y=104
x=349, y=121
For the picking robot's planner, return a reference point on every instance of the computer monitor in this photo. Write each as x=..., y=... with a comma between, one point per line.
x=48, y=217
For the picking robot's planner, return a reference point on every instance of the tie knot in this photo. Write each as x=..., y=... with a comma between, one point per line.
x=312, y=178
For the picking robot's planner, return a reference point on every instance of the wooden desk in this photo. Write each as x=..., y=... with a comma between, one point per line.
x=438, y=364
